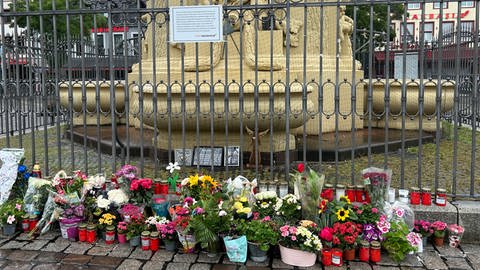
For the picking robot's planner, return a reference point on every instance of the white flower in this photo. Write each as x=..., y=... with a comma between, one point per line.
x=185, y=181
x=222, y=213
x=117, y=196
x=11, y=219
x=270, y=194
x=96, y=181
x=173, y=167
x=259, y=196
x=102, y=202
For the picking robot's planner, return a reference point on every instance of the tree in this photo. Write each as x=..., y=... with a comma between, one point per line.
x=61, y=20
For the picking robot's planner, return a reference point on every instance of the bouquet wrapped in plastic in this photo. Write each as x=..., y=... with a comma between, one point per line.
x=36, y=195
x=377, y=181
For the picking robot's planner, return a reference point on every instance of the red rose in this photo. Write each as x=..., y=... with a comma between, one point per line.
x=300, y=167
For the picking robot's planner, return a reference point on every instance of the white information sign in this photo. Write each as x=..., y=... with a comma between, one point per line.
x=196, y=24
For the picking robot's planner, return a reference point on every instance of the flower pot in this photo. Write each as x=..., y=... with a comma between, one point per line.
x=438, y=241
x=212, y=249
x=170, y=245
x=256, y=254
x=9, y=229
x=188, y=242
x=122, y=238
x=349, y=254
x=135, y=241
x=297, y=257
x=236, y=248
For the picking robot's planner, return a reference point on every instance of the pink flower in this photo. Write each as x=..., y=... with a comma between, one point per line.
x=359, y=212
x=18, y=206
x=326, y=234
x=374, y=210
x=11, y=219
x=399, y=212
x=285, y=234
x=294, y=238
x=292, y=230
x=134, y=185
x=188, y=200
x=267, y=218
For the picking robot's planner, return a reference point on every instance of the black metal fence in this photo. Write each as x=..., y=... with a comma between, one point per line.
x=91, y=85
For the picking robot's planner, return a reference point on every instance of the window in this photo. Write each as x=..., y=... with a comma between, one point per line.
x=437, y=5
x=118, y=44
x=466, y=26
x=447, y=28
x=413, y=6
x=468, y=4
x=136, y=47
x=100, y=44
x=428, y=32
x=409, y=35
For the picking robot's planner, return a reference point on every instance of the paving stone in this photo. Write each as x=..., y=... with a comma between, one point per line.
x=99, y=250
x=23, y=255
x=316, y=266
x=470, y=248
x=256, y=267
x=140, y=254
x=76, y=259
x=24, y=237
x=359, y=266
x=153, y=265
x=4, y=253
x=411, y=261
x=387, y=261
x=200, y=266
x=16, y=265
x=277, y=263
x=163, y=256
x=59, y=245
x=432, y=260
x=382, y=267
x=35, y=245
x=204, y=258
x=474, y=259
x=130, y=264
x=224, y=267
x=257, y=264
x=105, y=261
x=48, y=235
x=410, y=268
x=47, y=256
x=46, y=266
x=13, y=245
x=177, y=266
x=121, y=251
x=331, y=267
x=78, y=248
x=226, y=260
x=448, y=251
x=185, y=257
x=457, y=264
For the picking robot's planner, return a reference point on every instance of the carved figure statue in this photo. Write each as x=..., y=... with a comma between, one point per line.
x=345, y=31
x=254, y=141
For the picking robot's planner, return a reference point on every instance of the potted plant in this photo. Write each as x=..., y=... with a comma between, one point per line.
x=168, y=235
x=134, y=230
x=424, y=228
x=261, y=235
x=288, y=209
x=345, y=237
x=395, y=239
x=11, y=213
x=299, y=245
x=455, y=233
x=265, y=203
x=104, y=221
x=122, y=232
x=439, y=232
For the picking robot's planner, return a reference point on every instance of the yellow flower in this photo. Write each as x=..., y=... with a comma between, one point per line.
x=101, y=220
x=345, y=198
x=342, y=214
x=244, y=210
x=238, y=205
x=243, y=199
x=193, y=180
x=306, y=223
x=109, y=222
x=207, y=178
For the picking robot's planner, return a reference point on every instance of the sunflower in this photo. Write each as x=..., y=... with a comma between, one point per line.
x=345, y=198
x=342, y=214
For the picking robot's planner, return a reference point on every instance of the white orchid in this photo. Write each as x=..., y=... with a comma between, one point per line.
x=172, y=167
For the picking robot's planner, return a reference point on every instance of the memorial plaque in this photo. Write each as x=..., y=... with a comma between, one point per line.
x=232, y=156
x=203, y=156
x=184, y=156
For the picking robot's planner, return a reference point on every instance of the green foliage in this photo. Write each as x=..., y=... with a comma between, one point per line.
x=11, y=208
x=259, y=232
x=396, y=243
x=60, y=20
x=135, y=228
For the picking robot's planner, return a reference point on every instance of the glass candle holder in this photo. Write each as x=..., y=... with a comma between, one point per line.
x=426, y=196
x=339, y=191
x=403, y=195
x=415, y=196
x=282, y=189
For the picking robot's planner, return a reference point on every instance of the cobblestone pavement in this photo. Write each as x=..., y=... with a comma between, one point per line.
x=51, y=251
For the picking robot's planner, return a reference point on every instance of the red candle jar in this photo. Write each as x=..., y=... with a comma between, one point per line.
x=32, y=222
x=36, y=171
x=164, y=187
x=350, y=192
x=154, y=241
x=426, y=196
x=82, y=232
x=91, y=233
x=360, y=193
x=415, y=196
x=364, y=251
x=337, y=257
x=145, y=240
x=25, y=223
x=326, y=257
x=327, y=192
x=441, y=197
x=110, y=235
x=156, y=187
x=367, y=197
x=375, y=251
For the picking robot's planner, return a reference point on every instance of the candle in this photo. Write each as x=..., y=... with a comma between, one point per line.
x=145, y=240
x=340, y=191
x=350, y=193
x=110, y=235
x=326, y=257
x=154, y=241
x=441, y=197
x=91, y=233
x=82, y=232
x=426, y=196
x=364, y=251
x=337, y=257
x=375, y=251
x=360, y=193
x=328, y=192
x=415, y=196
x=403, y=195
x=391, y=195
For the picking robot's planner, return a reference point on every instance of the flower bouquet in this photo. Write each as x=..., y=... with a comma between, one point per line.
x=141, y=191
x=309, y=186
x=377, y=181
x=299, y=245
x=130, y=211
x=199, y=187
x=288, y=209
x=265, y=203
x=455, y=233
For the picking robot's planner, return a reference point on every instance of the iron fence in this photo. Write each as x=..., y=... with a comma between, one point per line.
x=91, y=85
